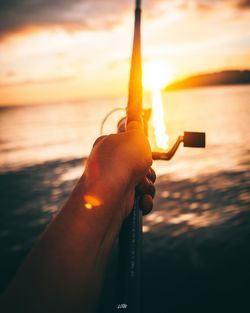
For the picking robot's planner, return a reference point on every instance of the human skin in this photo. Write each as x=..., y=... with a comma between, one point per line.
x=64, y=271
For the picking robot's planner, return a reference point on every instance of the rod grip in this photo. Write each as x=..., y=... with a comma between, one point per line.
x=129, y=262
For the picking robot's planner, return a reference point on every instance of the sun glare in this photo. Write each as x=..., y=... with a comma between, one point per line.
x=157, y=75
x=161, y=137
x=91, y=202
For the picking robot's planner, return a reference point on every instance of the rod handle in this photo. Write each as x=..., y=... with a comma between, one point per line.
x=129, y=262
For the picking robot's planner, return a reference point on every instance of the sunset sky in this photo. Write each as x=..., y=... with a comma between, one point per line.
x=61, y=50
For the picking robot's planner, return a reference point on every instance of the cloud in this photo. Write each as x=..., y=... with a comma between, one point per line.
x=206, y=5
x=244, y=4
x=17, y=15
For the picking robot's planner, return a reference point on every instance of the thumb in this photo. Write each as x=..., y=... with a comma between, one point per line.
x=99, y=139
x=134, y=125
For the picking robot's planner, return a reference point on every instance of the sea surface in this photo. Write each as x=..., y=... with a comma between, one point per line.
x=36, y=134
x=196, y=242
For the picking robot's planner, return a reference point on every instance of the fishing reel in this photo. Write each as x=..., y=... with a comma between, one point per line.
x=189, y=139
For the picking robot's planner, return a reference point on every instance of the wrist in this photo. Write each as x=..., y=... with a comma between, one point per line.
x=94, y=205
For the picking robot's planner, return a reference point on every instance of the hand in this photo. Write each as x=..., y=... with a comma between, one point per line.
x=117, y=165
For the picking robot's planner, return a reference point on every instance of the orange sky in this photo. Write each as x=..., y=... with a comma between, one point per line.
x=84, y=51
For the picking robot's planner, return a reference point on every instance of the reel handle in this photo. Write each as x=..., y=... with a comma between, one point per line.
x=194, y=140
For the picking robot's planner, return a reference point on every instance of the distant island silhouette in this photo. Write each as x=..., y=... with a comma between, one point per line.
x=229, y=77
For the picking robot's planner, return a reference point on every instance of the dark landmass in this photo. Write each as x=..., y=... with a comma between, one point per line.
x=233, y=77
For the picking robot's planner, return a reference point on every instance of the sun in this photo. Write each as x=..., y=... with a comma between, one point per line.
x=156, y=75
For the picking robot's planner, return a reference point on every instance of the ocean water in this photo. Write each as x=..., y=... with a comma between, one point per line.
x=35, y=134
x=196, y=242
x=32, y=135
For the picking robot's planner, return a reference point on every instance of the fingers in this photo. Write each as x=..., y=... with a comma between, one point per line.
x=151, y=175
x=147, y=189
x=147, y=185
x=147, y=204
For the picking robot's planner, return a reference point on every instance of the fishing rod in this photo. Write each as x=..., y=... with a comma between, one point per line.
x=129, y=250
x=130, y=239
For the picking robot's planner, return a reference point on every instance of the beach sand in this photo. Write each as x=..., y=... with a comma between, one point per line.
x=196, y=243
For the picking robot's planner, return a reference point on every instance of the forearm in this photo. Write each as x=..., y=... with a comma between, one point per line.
x=64, y=272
